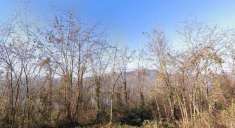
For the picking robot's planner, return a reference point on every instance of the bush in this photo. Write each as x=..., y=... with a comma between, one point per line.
x=137, y=116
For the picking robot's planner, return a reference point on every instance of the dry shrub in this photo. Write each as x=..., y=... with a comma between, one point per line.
x=227, y=116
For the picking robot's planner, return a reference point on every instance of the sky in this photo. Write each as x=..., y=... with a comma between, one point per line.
x=124, y=21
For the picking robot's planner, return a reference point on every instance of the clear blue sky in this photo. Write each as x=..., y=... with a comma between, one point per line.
x=125, y=20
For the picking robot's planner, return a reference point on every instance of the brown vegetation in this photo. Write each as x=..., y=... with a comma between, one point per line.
x=68, y=76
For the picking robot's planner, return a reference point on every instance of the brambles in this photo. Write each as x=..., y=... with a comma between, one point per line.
x=69, y=75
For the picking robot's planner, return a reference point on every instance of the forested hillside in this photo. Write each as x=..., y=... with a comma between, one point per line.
x=68, y=74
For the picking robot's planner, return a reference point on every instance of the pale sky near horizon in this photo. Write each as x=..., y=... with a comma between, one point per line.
x=125, y=20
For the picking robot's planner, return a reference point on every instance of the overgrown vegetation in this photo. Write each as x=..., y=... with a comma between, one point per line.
x=68, y=75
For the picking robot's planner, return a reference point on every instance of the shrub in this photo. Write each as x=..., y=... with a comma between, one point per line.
x=137, y=116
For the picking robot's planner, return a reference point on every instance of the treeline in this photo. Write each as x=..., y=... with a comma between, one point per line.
x=67, y=75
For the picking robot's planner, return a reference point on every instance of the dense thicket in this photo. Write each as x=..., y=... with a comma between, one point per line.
x=68, y=75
